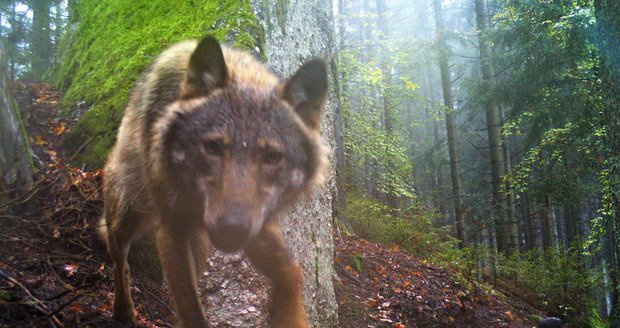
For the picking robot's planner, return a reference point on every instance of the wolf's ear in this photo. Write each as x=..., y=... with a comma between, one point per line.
x=306, y=91
x=207, y=69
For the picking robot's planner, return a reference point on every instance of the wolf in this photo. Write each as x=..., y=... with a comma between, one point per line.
x=211, y=148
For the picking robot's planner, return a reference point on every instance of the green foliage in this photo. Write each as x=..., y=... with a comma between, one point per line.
x=367, y=143
x=561, y=283
x=358, y=263
x=414, y=233
x=115, y=41
x=562, y=166
x=548, y=83
x=549, y=89
x=593, y=318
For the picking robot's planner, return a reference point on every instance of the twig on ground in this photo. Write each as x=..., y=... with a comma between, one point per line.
x=37, y=304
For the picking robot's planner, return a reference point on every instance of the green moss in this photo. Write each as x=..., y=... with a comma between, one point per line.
x=116, y=40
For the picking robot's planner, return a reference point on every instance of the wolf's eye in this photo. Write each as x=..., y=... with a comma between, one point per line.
x=272, y=157
x=213, y=148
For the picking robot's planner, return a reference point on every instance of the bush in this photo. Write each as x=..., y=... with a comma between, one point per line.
x=562, y=283
x=414, y=233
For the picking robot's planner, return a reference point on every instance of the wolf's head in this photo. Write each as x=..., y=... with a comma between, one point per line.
x=237, y=150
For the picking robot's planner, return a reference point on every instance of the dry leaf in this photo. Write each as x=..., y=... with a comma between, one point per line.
x=70, y=269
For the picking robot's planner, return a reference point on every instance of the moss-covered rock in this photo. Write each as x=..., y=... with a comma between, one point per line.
x=114, y=41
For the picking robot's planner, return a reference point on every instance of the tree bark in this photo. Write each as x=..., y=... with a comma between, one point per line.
x=16, y=165
x=450, y=126
x=308, y=228
x=547, y=223
x=339, y=79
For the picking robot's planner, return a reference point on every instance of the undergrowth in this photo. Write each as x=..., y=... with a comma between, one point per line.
x=560, y=284
x=413, y=231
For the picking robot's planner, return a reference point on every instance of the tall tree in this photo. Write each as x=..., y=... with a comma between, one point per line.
x=496, y=155
x=340, y=90
x=315, y=254
x=388, y=110
x=15, y=33
x=41, y=40
x=513, y=225
x=453, y=150
x=608, y=19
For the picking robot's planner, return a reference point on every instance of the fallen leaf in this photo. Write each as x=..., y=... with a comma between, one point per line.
x=60, y=128
x=76, y=308
x=39, y=140
x=104, y=307
x=70, y=269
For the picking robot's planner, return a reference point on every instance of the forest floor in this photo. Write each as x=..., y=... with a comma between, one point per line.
x=53, y=271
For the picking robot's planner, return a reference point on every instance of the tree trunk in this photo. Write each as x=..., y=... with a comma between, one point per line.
x=308, y=32
x=12, y=42
x=547, y=223
x=530, y=235
x=434, y=157
x=388, y=115
x=569, y=223
x=437, y=169
x=513, y=222
x=16, y=166
x=59, y=23
x=450, y=126
x=340, y=90
x=607, y=14
x=496, y=155
x=40, y=42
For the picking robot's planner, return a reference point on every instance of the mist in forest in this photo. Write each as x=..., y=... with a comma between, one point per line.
x=481, y=136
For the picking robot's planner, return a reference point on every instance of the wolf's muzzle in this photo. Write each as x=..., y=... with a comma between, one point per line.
x=232, y=230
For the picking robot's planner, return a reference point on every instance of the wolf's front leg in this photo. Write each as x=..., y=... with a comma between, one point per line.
x=177, y=260
x=270, y=256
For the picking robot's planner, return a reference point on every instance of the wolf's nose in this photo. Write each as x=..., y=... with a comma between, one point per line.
x=233, y=230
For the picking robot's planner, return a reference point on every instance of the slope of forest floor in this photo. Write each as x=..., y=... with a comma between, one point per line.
x=53, y=271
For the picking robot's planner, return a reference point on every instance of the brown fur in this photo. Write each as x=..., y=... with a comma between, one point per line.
x=211, y=148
